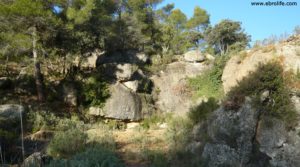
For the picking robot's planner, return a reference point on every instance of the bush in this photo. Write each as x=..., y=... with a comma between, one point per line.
x=95, y=90
x=48, y=121
x=67, y=143
x=268, y=77
x=155, y=119
x=205, y=86
x=155, y=158
x=209, y=84
x=41, y=120
x=178, y=133
x=201, y=112
x=91, y=157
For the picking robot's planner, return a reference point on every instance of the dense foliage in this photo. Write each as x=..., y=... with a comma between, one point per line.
x=227, y=35
x=67, y=143
x=94, y=90
x=209, y=84
x=63, y=29
x=267, y=79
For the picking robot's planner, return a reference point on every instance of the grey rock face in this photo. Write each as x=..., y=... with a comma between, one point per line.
x=279, y=144
x=220, y=155
x=133, y=85
x=172, y=88
x=34, y=159
x=123, y=104
x=96, y=111
x=237, y=68
x=246, y=138
x=11, y=111
x=231, y=134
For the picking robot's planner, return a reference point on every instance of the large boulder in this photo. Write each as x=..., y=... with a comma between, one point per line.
x=11, y=111
x=96, y=111
x=133, y=85
x=193, y=56
x=88, y=60
x=231, y=136
x=239, y=66
x=246, y=137
x=137, y=57
x=120, y=72
x=279, y=144
x=35, y=159
x=171, y=86
x=122, y=104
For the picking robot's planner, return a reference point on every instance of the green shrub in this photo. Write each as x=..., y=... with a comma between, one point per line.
x=67, y=143
x=205, y=86
x=268, y=77
x=91, y=157
x=155, y=119
x=49, y=121
x=95, y=90
x=178, y=133
x=209, y=84
x=41, y=120
x=202, y=111
x=155, y=158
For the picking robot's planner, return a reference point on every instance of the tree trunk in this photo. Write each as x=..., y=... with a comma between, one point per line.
x=37, y=68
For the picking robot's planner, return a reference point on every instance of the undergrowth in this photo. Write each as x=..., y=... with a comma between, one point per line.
x=209, y=84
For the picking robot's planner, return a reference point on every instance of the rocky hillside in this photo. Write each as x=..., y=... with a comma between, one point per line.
x=143, y=116
x=288, y=52
x=248, y=135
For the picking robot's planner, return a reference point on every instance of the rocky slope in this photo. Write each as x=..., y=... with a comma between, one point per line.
x=288, y=52
x=244, y=137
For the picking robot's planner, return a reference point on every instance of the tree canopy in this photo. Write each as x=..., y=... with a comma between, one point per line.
x=66, y=28
x=227, y=34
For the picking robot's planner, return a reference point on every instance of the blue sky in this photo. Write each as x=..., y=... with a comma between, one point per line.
x=258, y=21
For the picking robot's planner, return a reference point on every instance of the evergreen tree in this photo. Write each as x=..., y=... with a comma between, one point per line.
x=31, y=20
x=197, y=25
x=227, y=35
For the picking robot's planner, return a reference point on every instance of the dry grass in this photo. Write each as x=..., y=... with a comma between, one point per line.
x=132, y=143
x=269, y=48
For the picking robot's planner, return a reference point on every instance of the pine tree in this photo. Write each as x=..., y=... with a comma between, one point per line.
x=197, y=25
x=32, y=20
